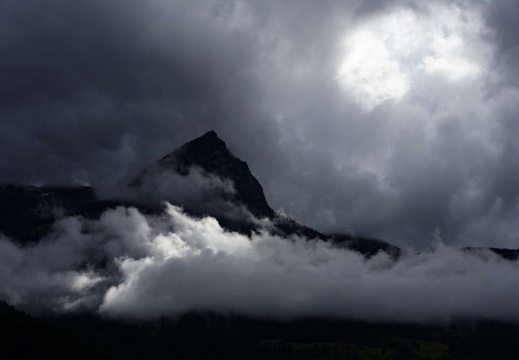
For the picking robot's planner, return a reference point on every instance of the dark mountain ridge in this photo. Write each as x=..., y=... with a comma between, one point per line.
x=210, y=153
x=28, y=212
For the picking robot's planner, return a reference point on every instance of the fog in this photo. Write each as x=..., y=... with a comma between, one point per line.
x=127, y=265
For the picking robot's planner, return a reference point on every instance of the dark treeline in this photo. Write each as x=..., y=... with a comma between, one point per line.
x=210, y=336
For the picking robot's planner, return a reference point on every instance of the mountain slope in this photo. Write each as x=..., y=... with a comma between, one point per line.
x=210, y=160
x=210, y=154
x=26, y=211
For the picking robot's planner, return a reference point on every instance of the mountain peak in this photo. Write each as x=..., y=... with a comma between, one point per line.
x=209, y=153
x=208, y=137
x=204, y=144
x=209, y=134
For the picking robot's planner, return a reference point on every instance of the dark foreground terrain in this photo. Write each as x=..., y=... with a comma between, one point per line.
x=210, y=336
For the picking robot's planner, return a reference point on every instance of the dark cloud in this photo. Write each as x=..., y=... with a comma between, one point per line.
x=501, y=17
x=94, y=87
x=94, y=91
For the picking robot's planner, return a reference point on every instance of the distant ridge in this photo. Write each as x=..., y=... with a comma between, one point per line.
x=27, y=213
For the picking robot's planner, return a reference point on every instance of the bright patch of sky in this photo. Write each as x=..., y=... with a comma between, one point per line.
x=384, y=55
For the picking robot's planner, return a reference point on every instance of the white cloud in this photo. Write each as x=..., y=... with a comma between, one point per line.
x=371, y=72
x=199, y=266
x=386, y=54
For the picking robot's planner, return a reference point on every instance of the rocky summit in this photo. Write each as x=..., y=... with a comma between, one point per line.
x=209, y=153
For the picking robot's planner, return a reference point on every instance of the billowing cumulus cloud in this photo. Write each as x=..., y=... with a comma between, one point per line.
x=386, y=118
x=129, y=265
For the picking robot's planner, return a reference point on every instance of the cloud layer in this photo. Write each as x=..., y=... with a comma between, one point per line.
x=386, y=118
x=129, y=265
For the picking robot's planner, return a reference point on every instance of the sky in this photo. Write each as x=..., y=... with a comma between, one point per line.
x=382, y=118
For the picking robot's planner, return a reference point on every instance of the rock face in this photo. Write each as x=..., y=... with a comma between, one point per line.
x=27, y=212
x=210, y=154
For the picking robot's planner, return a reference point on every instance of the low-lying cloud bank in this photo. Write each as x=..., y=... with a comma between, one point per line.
x=126, y=264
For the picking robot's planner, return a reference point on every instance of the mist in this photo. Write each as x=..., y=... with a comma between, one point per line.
x=128, y=265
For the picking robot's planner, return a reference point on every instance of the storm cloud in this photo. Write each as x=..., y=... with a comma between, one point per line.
x=132, y=266
x=385, y=118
